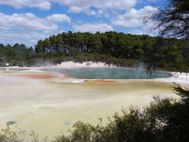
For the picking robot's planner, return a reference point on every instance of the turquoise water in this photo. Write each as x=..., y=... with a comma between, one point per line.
x=110, y=73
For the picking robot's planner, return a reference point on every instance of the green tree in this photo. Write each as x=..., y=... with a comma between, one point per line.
x=174, y=20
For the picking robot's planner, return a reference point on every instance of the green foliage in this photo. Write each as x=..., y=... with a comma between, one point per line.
x=17, y=54
x=17, y=135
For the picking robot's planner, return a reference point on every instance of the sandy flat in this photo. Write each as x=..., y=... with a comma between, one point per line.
x=51, y=105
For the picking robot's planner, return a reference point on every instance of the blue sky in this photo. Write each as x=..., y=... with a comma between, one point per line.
x=27, y=21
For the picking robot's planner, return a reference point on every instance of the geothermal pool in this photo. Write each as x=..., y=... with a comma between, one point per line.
x=110, y=73
x=50, y=102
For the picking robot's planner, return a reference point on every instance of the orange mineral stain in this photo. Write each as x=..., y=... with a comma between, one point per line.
x=38, y=75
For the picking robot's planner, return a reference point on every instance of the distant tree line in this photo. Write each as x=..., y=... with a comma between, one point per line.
x=118, y=48
x=17, y=54
x=110, y=47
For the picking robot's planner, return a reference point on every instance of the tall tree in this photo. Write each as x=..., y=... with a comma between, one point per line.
x=174, y=20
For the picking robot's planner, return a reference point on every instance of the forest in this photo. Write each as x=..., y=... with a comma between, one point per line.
x=17, y=54
x=111, y=47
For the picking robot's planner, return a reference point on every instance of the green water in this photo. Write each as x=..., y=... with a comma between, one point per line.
x=110, y=73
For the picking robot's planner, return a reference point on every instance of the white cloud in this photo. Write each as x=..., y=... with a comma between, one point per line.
x=110, y=4
x=88, y=7
x=147, y=30
x=29, y=38
x=93, y=28
x=29, y=21
x=11, y=37
x=152, y=0
x=28, y=28
x=42, y=4
x=59, y=18
x=80, y=4
x=134, y=18
x=75, y=9
x=97, y=7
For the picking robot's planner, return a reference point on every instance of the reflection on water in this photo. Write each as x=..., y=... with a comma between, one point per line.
x=110, y=73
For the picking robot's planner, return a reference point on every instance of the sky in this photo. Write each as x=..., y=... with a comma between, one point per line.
x=27, y=21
